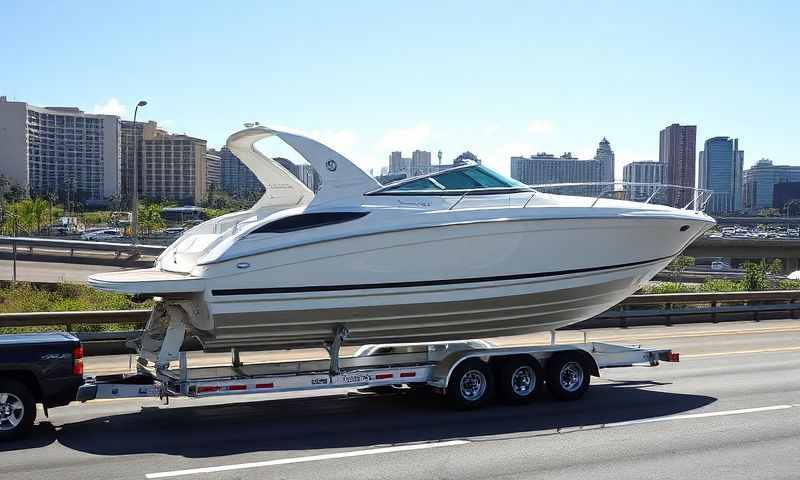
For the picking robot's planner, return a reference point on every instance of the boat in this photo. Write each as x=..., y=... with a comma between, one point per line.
x=460, y=253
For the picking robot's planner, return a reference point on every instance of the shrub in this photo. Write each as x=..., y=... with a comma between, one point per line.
x=667, y=287
x=755, y=277
x=789, y=284
x=64, y=297
x=720, y=285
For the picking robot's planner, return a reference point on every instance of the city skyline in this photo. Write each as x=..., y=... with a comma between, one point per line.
x=62, y=151
x=441, y=88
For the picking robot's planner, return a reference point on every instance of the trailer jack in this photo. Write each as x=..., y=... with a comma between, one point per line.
x=333, y=348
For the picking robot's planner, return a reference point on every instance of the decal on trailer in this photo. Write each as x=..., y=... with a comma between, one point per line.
x=355, y=378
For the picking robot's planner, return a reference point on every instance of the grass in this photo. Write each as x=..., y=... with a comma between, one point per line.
x=64, y=297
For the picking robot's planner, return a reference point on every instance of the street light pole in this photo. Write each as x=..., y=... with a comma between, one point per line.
x=135, y=198
x=14, y=249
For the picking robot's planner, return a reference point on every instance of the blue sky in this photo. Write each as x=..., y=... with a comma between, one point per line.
x=498, y=78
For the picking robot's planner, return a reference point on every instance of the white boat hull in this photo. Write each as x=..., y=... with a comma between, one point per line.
x=517, y=289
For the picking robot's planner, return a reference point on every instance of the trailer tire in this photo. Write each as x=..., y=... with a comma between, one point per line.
x=520, y=380
x=471, y=385
x=17, y=409
x=568, y=375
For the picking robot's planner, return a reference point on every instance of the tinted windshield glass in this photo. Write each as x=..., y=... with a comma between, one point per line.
x=468, y=178
x=419, y=184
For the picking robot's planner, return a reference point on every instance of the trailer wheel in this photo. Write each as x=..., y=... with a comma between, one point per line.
x=471, y=385
x=520, y=379
x=17, y=410
x=568, y=376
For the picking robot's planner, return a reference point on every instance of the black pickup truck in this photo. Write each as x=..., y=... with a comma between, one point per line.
x=44, y=368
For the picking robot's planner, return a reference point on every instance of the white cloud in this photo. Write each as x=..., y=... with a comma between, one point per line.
x=111, y=107
x=405, y=139
x=500, y=157
x=541, y=127
x=340, y=140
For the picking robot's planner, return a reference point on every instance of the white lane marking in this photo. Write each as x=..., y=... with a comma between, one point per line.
x=449, y=443
x=699, y=415
x=312, y=458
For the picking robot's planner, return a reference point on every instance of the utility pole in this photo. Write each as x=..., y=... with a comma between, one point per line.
x=135, y=198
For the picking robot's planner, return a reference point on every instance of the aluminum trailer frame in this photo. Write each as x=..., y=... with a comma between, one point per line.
x=431, y=364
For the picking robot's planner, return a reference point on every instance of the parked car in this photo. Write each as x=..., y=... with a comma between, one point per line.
x=720, y=266
x=103, y=235
x=174, y=231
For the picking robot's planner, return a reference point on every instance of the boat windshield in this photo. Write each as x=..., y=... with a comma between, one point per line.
x=459, y=179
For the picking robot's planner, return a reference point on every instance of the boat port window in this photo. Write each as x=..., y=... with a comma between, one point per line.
x=305, y=221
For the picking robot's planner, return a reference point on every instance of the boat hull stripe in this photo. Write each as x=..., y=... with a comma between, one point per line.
x=423, y=283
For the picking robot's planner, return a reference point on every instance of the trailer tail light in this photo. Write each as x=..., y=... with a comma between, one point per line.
x=77, y=360
x=673, y=357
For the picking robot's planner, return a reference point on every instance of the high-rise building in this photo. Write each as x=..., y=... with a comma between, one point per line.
x=605, y=156
x=303, y=171
x=213, y=168
x=720, y=170
x=420, y=162
x=237, y=179
x=677, y=145
x=545, y=168
x=60, y=150
x=760, y=180
x=309, y=176
x=398, y=164
x=786, y=196
x=170, y=166
x=288, y=165
x=648, y=172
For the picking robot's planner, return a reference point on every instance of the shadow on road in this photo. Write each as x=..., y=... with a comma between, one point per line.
x=346, y=421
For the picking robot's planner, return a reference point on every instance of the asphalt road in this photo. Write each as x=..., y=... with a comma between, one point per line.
x=732, y=409
x=50, y=272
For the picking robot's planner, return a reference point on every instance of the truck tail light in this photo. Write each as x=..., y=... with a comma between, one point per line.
x=77, y=360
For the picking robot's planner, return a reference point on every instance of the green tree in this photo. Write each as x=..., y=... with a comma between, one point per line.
x=755, y=277
x=679, y=265
x=775, y=267
x=32, y=214
x=150, y=218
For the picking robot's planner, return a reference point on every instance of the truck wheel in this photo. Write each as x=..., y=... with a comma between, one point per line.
x=471, y=385
x=568, y=376
x=17, y=410
x=520, y=380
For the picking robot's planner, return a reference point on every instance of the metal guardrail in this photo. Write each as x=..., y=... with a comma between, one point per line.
x=781, y=300
x=82, y=245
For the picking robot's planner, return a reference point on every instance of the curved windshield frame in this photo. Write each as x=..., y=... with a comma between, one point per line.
x=473, y=178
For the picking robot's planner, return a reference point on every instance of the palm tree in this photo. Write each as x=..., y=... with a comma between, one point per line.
x=39, y=212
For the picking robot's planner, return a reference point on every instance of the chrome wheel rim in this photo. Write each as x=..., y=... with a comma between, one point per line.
x=473, y=385
x=571, y=376
x=523, y=380
x=11, y=411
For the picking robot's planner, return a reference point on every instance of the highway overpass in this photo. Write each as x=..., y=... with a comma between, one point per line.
x=787, y=250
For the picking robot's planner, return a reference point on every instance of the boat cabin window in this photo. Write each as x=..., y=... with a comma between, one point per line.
x=455, y=180
x=307, y=220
